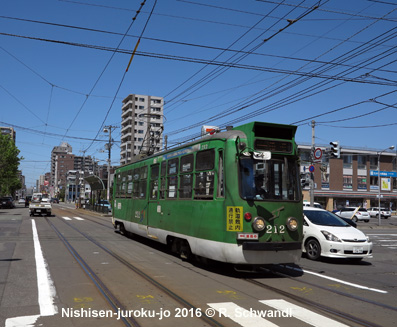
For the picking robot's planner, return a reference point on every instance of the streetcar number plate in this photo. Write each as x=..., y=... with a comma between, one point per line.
x=358, y=250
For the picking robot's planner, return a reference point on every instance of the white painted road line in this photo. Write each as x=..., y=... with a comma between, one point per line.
x=338, y=280
x=240, y=315
x=67, y=218
x=303, y=314
x=45, y=285
x=78, y=218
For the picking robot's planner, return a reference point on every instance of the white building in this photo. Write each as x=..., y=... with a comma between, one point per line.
x=141, y=126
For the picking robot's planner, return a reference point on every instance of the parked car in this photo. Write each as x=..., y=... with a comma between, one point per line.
x=6, y=202
x=21, y=201
x=355, y=213
x=384, y=213
x=104, y=203
x=327, y=235
x=315, y=204
x=54, y=200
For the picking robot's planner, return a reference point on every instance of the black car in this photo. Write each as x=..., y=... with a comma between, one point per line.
x=6, y=202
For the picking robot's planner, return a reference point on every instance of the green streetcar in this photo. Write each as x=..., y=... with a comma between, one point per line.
x=233, y=196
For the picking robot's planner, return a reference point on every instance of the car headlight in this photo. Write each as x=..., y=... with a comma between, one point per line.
x=259, y=224
x=292, y=224
x=330, y=237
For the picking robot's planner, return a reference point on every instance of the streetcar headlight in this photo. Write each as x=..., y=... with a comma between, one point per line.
x=292, y=224
x=259, y=224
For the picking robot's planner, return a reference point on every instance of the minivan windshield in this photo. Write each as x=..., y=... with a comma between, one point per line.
x=324, y=218
x=275, y=179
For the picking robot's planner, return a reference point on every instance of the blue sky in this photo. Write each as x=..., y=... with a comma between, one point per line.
x=63, y=69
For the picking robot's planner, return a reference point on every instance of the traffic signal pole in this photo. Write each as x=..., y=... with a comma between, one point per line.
x=312, y=161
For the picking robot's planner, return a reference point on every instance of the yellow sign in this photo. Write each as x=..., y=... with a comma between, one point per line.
x=234, y=219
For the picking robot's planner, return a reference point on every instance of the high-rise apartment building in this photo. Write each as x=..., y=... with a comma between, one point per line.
x=62, y=160
x=8, y=131
x=141, y=126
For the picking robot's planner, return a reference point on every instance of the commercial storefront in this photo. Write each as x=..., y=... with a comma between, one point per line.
x=353, y=179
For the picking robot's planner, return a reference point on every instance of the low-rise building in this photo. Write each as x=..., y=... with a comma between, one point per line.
x=352, y=179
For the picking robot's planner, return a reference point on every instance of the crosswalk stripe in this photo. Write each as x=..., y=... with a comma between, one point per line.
x=303, y=314
x=240, y=315
x=67, y=218
x=78, y=218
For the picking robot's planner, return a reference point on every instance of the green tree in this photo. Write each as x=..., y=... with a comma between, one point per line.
x=9, y=163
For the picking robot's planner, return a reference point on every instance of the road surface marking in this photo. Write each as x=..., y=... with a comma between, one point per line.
x=337, y=280
x=240, y=315
x=67, y=218
x=78, y=218
x=45, y=285
x=303, y=314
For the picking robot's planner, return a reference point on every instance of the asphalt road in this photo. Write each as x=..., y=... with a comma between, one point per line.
x=73, y=269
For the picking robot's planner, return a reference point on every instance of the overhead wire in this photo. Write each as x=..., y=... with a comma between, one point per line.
x=125, y=72
x=215, y=73
x=288, y=85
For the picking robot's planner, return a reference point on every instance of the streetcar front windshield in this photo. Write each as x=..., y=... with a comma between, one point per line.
x=275, y=179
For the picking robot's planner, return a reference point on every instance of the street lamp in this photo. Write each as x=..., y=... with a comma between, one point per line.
x=379, y=184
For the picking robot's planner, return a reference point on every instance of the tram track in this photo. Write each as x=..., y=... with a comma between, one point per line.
x=313, y=304
x=328, y=310
x=354, y=297
x=113, y=301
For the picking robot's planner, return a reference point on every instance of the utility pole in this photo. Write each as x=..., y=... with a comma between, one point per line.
x=108, y=129
x=312, y=161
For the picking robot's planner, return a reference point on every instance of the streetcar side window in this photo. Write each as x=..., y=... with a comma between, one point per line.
x=221, y=180
x=205, y=160
x=154, y=182
x=143, y=182
x=204, y=186
x=186, y=177
x=172, y=178
x=123, y=184
x=163, y=179
x=118, y=183
x=135, y=188
x=129, y=183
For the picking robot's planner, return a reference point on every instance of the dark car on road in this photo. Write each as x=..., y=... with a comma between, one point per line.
x=6, y=202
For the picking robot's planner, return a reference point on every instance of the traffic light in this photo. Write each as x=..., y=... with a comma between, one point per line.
x=335, y=149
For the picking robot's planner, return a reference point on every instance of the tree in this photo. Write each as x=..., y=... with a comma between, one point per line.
x=9, y=163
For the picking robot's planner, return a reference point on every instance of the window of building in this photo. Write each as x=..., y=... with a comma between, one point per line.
x=373, y=162
x=305, y=155
x=347, y=182
x=362, y=183
x=347, y=161
x=373, y=183
x=362, y=162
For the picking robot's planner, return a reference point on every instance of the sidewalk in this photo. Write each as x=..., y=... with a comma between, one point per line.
x=374, y=223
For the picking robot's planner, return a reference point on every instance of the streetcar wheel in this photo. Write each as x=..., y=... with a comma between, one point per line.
x=121, y=229
x=313, y=249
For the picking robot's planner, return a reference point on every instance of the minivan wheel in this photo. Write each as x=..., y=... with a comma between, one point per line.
x=313, y=249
